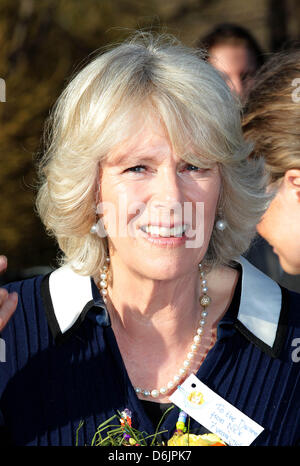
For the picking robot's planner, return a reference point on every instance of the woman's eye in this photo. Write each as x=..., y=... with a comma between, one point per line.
x=193, y=168
x=136, y=169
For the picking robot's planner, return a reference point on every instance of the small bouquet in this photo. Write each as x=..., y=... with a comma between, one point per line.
x=123, y=434
x=182, y=438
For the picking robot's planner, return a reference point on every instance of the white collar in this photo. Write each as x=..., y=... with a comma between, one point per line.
x=259, y=311
x=261, y=303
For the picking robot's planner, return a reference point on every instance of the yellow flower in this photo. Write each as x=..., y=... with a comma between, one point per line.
x=205, y=440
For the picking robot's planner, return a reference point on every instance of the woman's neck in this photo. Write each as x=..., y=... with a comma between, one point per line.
x=142, y=306
x=155, y=322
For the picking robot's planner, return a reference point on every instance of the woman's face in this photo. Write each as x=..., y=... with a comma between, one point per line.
x=238, y=63
x=158, y=210
x=280, y=225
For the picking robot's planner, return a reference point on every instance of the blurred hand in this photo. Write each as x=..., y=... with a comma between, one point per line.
x=8, y=301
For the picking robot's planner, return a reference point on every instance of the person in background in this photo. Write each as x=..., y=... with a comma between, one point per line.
x=234, y=51
x=272, y=122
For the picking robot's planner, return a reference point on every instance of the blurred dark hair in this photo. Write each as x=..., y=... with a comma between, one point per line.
x=227, y=33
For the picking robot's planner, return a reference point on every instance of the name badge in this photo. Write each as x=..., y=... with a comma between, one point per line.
x=215, y=413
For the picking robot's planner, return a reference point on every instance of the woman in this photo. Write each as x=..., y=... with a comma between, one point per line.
x=147, y=187
x=271, y=122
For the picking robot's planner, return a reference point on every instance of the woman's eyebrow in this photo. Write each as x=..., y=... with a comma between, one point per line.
x=134, y=158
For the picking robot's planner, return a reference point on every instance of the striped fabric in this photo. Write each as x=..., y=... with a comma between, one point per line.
x=50, y=382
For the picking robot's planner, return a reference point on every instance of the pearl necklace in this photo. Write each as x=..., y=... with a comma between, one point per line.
x=205, y=300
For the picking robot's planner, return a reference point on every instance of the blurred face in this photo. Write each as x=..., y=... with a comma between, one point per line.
x=280, y=226
x=158, y=210
x=237, y=62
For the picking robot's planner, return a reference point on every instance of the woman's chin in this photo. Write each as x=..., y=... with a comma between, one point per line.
x=163, y=270
x=290, y=265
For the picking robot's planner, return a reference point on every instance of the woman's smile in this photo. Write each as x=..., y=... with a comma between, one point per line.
x=164, y=236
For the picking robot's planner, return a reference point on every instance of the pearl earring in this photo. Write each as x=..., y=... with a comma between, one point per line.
x=94, y=229
x=103, y=280
x=221, y=224
x=98, y=229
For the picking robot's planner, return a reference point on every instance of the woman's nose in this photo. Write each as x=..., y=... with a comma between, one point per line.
x=167, y=191
x=236, y=84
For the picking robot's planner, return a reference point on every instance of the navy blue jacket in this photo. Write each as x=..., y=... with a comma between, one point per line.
x=63, y=366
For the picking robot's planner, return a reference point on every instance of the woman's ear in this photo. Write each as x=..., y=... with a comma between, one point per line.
x=292, y=181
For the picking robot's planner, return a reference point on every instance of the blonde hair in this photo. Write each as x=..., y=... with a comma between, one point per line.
x=195, y=105
x=272, y=114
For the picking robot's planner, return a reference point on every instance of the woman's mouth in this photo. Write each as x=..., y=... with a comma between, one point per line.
x=162, y=235
x=164, y=231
